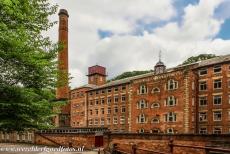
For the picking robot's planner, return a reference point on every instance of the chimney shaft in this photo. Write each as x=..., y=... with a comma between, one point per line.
x=62, y=85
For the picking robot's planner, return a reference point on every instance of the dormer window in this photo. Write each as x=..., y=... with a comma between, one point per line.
x=143, y=89
x=155, y=105
x=172, y=85
x=156, y=90
x=217, y=69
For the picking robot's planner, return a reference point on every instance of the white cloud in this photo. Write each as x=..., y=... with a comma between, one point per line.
x=193, y=35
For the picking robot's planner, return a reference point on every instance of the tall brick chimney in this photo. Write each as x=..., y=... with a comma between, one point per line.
x=63, y=87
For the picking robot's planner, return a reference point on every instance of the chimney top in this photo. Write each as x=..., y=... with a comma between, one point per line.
x=63, y=12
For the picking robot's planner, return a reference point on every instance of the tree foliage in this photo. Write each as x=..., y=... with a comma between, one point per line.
x=129, y=74
x=27, y=64
x=198, y=58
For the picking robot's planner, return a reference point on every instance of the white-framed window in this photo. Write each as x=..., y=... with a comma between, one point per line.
x=115, y=120
x=91, y=112
x=203, y=101
x=155, y=105
x=172, y=84
x=115, y=109
x=217, y=130
x=156, y=90
x=116, y=99
x=217, y=84
x=102, y=121
x=202, y=85
x=155, y=120
x=90, y=122
x=203, y=130
x=96, y=102
x=171, y=101
x=102, y=101
x=141, y=119
x=217, y=100
x=203, y=71
x=217, y=69
x=29, y=136
x=143, y=89
x=170, y=131
x=102, y=111
x=170, y=117
x=123, y=108
x=123, y=98
x=95, y=121
x=18, y=136
x=141, y=130
x=122, y=120
x=108, y=121
x=109, y=110
x=109, y=100
x=109, y=90
x=203, y=116
x=123, y=87
x=217, y=115
x=142, y=104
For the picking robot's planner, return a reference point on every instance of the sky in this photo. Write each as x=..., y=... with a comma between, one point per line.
x=127, y=35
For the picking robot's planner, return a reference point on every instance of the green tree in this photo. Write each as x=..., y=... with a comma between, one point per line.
x=129, y=74
x=27, y=64
x=198, y=58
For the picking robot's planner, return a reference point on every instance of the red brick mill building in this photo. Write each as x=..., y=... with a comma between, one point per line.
x=185, y=99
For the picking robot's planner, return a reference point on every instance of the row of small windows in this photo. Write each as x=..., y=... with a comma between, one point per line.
x=168, y=117
x=216, y=115
x=20, y=136
x=171, y=85
x=108, y=90
x=169, y=101
x=216, y=69
x=157, y=130
x=101, y=121
x=215, y=130
x=217, y=100
x=102, y=110
x=77, y=94
x=109, y=100
x=217, y=84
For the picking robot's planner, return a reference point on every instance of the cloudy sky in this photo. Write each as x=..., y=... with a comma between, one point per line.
x=126, y=35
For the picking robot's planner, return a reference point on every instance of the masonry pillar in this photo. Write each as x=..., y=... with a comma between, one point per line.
x=62, y=84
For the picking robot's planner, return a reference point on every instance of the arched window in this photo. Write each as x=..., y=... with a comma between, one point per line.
x=143, y=89
x=155, y=90
x=172, y=85
x=142, y=104
x=155, y=120
x=170, y=117
x=141, y=119
x=170, y=131
x=171, y=101
x=155, y=105
x=141, y=130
